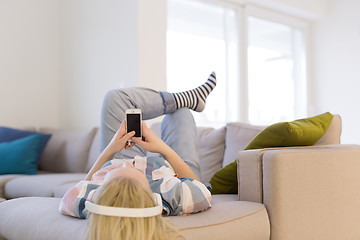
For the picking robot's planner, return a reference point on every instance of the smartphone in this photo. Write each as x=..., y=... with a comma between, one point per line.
x=133, y=121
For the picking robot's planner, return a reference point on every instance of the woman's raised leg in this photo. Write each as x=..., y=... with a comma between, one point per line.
x=178, y=130
x=152, y=104
x=116, y=102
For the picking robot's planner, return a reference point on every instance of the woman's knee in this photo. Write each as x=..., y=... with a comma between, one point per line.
x=182, y=113
x=110, y=97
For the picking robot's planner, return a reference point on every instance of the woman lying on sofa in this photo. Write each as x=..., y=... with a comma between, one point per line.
x=126, y=192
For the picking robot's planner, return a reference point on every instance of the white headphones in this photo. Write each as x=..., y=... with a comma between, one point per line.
x=126, y=212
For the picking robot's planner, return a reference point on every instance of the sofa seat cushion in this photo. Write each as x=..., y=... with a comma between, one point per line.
x=37, y=218
x=60, y=191
x=227, y=219
x=42, y=185
x=4, y=179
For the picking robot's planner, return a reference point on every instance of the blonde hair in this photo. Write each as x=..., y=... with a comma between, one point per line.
x=125, y=192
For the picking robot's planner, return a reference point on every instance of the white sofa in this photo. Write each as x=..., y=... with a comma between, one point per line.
x=284, y=193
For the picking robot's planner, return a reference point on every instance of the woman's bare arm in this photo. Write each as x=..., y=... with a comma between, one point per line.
x=180, y=167
x=118, y=142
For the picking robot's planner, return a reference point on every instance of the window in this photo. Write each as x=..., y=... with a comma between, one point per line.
x=201, y=38
x=276, y=70
x=259, y=58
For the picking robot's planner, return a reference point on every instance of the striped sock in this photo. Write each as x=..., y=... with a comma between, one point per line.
x=195, y=99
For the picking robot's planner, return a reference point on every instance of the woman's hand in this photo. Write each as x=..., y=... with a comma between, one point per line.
x=119, y=141
x=150, y=142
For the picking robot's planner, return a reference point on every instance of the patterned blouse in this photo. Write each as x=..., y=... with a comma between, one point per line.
x=179, y=195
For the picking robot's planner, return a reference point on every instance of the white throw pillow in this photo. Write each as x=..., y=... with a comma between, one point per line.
x=332, y=135
x=238, y=136
x=211, y=143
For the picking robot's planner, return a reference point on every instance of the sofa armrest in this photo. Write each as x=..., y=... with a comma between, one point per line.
x=309, y=192
x=250, y=168
x=250, y=173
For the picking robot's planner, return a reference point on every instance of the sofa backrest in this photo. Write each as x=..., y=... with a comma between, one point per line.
x=77, y=151
x=219, y=147
x=94, y=152
x=239, y=135
x=211, y=144
x=67, y=150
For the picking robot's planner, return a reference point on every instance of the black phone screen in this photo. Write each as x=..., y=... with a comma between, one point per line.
x=133, y=124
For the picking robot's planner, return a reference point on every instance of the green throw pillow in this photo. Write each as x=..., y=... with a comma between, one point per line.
x=224, y=181
x=20, y=156
x=302, y=132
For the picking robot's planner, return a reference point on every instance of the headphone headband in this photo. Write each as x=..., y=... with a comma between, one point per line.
x=126, y=212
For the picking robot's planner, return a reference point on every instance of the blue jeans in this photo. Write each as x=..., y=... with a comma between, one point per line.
x=178, y=128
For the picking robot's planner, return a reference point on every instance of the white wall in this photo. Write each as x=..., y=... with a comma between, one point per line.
x=336, y=69
x=152, y=43
x=58, y=58
x=106, y=45
x=29, y=69
x=98, y=52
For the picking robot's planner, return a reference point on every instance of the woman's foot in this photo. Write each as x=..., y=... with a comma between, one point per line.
x=195, y=99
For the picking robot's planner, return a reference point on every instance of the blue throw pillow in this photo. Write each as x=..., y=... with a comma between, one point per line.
x=20, y=156
x=11, y=134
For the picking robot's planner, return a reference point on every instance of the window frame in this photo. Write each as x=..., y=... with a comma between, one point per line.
x=285, y=19
x=244, y=11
